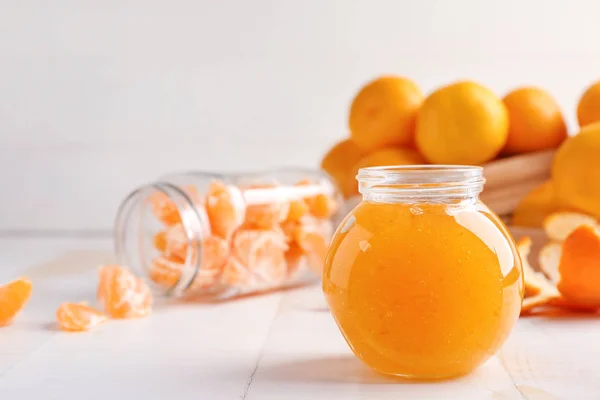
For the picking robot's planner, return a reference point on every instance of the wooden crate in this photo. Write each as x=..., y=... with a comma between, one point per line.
x=510, y=179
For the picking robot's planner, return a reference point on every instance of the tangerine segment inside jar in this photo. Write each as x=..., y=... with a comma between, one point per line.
x=250, y=235
x=420, y=291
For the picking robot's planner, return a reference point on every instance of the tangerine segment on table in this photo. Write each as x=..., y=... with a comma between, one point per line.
x=122, y=294
x=13, y=297
x=436, y=301
x=77, y=317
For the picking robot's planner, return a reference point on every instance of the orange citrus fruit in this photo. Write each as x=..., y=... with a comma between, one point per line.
x=588, y=109
x=536, y=206
x=579, y=266
x=387, y=156
x=536, y=122
x=383, y=113
x=576, y=171
x=13, y=297
x=122, y=294
x=76, y=317
x=225, y=208
x=462, y=123
x=339, y=162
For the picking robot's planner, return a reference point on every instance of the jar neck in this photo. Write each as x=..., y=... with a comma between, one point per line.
x=135, y=229
x=436, y=184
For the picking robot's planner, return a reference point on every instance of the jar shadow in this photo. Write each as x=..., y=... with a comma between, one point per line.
x=343, y=369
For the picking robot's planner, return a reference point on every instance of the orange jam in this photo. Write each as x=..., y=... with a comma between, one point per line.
x=426, y=286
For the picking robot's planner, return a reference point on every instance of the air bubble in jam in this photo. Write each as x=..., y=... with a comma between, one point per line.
x=364, y=246
x=414, y=210
x=349, y=224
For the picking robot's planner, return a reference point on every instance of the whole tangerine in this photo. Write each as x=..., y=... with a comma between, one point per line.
x=576, y=171
x=536, y=121
x=383, y=113
x=462, y=123
x=588, y=108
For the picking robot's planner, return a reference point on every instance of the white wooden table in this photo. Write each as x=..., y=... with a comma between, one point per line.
x=278, y=346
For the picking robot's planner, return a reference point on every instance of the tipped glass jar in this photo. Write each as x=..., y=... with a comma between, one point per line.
x=216, y=236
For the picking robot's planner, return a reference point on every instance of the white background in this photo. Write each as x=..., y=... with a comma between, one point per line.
x=97, y=97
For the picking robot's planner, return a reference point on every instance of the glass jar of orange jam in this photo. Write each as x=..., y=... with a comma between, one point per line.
x=214, y=236
x=423, y=280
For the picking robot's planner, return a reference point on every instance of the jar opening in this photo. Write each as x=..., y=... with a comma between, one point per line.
x=136, y=229
x=422, y=181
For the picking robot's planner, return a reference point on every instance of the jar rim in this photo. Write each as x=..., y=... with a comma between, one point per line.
x=421, y=180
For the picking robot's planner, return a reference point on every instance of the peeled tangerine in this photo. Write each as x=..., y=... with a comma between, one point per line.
x=122, y=294
x=266, y=215
x=579, y=267
x=77, y=317
x=166, y=210
x=383, y=113
x=572, y=260
x=258, y=258
x=166, y=269
x=13, y=297
x=225, y=208
x=538, y=290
